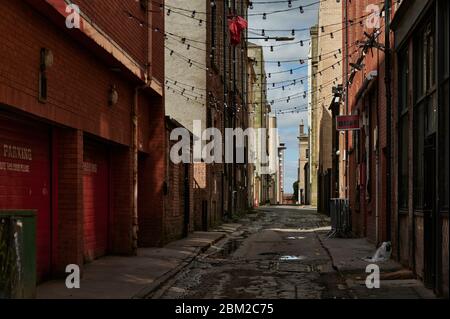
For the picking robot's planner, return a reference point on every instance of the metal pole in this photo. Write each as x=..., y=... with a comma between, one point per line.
x=346, y=95
x=225, y=87
x=234, y=114
x=387, y=13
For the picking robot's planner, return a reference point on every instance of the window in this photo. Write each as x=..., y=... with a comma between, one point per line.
x=424, y=103
x=307, y=153
x=403, y=130
x=444, y=103
x=445, y=38
x=419, y=136
x=425, y=71
x=445, y=144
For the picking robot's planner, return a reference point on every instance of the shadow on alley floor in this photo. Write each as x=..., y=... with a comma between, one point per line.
x=274, y=252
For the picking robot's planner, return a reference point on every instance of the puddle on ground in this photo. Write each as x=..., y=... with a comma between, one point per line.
x=294, y=238
x=292, y=258
x=268, y=254
x=228, y=248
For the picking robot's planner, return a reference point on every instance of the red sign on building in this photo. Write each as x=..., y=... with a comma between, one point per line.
x=347, y=122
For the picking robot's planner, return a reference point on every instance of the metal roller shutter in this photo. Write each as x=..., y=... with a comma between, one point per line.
x=25, y=179
x=95, y=200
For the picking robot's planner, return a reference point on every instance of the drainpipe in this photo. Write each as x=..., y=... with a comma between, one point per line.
x=225, y=93
x=347, y=186
x=134, y=136
x=377, y=164
x=377, y=167
x=134, y=160
x=387, y=4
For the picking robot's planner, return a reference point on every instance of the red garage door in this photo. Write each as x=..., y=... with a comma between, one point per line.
x=25, y=179
x=96, y=200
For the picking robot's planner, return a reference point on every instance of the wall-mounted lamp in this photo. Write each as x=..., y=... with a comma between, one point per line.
x=113, y=96
x=46, y=58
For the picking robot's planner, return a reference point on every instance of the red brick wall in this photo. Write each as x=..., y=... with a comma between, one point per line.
x=365, y=222
x=152, y=168
x=78, y=83
x=68, y=148
x=111, y=16
x=157, y=63
x=175, y=201
x=121, y=201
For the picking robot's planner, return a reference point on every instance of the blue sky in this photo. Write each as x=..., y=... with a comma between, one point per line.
x=288, y=123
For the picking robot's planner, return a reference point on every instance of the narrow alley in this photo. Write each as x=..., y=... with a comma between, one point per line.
x=282, y=252
x=224, y=150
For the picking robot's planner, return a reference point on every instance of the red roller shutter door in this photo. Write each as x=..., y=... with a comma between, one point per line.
x=95, y=200
x=25, y=177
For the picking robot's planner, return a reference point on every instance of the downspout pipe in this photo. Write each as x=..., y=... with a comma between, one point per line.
x=225, y=93
x=134, y=160
x=388, y=75
x=347, y=186
x=135, y=137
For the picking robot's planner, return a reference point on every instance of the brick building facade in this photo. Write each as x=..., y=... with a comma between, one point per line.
x=82, y=120
x=227, y=106
x=179, y=193
x=366, y=148
x=397, y=174
x=420, y=130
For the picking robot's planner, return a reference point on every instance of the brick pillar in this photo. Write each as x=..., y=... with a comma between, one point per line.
x=121, y=201
x=152, y=174
x=68, y=148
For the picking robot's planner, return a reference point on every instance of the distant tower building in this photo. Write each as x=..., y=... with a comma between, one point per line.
x=303, y=166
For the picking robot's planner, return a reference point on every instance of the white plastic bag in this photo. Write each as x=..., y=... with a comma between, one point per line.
x=383, y=253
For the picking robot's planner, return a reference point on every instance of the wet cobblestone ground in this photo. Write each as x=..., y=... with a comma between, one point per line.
x=275, y=254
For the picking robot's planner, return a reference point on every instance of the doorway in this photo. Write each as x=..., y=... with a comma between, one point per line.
x=430, y=213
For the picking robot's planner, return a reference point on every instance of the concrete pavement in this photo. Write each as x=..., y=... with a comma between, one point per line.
x=276, y=252
x=120, y=277
x=348, y=254
x=283, y=252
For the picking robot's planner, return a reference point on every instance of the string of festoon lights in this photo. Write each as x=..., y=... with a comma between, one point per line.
x=281, y=84
x=306, y=107
x=194, y=14
x=201, y=101
x=198, y=64
x=286, y=83
x=301, y=42
x=202, y=65
x=170, y=84
x=285, y=98
x=294, y=80
x=332, y=53
x=282, y=99
x=280, y=63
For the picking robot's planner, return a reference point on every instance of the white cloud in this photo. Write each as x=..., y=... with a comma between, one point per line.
x=288, y=123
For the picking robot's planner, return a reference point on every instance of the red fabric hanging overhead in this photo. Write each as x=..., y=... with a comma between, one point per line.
x=236, y=25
